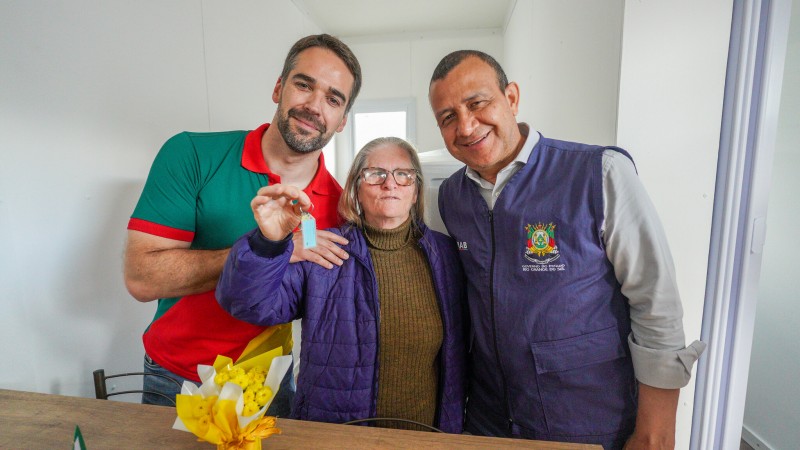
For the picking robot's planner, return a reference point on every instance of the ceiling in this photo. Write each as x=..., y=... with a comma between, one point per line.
x=350, y=18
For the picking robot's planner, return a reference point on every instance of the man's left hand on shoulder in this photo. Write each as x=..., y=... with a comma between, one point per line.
x=326, y=253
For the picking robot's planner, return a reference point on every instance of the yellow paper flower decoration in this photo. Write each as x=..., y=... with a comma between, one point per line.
x=256, y=395
x=228, y=408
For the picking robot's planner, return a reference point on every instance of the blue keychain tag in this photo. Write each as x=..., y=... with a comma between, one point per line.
x=308, y=227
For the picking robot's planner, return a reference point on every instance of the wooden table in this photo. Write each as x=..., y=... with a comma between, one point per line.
x=46, y=421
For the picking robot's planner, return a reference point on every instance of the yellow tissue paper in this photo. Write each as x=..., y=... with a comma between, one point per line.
x=229, y=406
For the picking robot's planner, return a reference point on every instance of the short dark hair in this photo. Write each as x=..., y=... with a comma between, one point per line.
x=333, y=44
x=449, y=62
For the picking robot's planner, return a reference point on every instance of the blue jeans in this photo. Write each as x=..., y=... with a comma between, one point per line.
x=160, y=385
x=281, y=405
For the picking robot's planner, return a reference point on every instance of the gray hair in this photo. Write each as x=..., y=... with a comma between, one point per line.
x=350, y=209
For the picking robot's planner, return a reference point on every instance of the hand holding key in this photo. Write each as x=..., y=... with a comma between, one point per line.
x=278, y=210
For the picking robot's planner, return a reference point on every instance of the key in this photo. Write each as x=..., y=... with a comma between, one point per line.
x=308, y=227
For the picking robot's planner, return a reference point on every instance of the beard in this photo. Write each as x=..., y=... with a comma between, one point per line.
x=302, y=140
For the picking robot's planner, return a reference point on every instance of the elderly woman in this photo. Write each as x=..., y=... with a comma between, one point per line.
x=382, y=334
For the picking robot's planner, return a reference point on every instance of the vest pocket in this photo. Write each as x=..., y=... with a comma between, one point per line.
x=585, y=383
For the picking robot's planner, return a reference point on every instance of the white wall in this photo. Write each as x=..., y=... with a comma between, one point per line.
x=674, y=56
x=771, y=410
x=88, y=93
x=401, y=66
x=565, y=56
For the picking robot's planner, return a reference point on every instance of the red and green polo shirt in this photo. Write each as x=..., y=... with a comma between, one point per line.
x=199, y=191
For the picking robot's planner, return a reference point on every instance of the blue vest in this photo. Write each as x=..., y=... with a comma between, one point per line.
x=549, y=353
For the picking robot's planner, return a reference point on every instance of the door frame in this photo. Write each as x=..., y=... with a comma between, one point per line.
x=757, y=51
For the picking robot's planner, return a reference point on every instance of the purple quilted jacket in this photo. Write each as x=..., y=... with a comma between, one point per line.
x=340, y=312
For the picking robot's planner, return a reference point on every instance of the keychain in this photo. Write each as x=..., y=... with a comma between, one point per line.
x=308, y=228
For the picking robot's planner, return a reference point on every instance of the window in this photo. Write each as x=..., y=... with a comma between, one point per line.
x=378, y=118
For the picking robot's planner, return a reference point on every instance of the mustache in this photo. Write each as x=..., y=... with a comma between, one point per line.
x=307, y=117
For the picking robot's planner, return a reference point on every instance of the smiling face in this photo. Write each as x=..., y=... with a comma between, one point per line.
x=476, y=118
x=387, y=205
x=312, y=100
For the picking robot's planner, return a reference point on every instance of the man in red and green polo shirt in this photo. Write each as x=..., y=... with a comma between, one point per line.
x=196, y=203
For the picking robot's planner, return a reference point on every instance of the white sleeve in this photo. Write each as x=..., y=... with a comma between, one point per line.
x=637, y=248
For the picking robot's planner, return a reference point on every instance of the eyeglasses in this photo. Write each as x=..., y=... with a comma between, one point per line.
x=376, y=176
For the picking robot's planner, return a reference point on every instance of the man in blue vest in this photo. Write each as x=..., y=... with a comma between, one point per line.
x=577, y=321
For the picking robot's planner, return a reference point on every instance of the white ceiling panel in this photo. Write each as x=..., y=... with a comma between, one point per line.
x=349, y=18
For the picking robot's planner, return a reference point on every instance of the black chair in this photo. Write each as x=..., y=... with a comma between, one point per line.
x=101, y=391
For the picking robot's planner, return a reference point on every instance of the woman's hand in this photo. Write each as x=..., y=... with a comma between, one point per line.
x=276, y=209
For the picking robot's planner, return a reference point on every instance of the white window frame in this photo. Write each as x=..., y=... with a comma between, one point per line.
x=407, y=105
x=759, y=35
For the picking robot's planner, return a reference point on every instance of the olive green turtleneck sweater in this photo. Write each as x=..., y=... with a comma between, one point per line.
x=410, y=327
